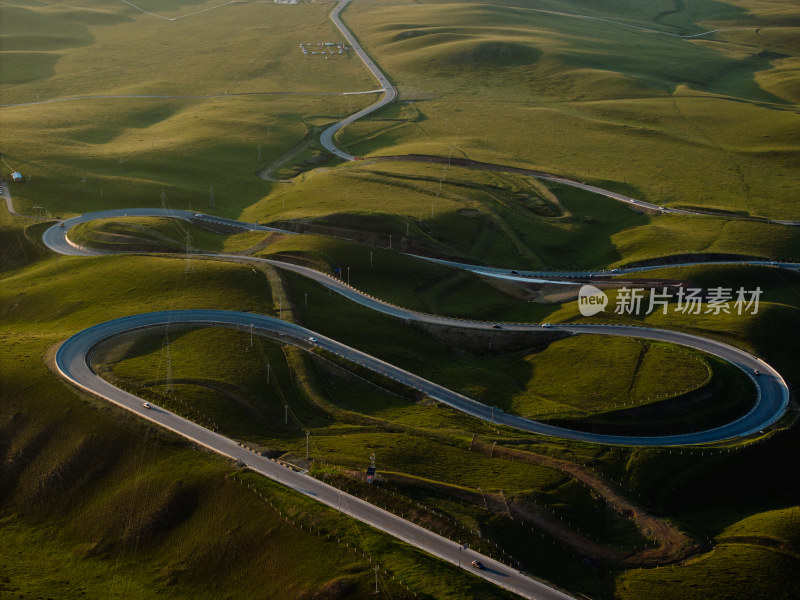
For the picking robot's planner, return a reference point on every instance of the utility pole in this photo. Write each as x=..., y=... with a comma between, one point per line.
x=83, y=184
x=348, y=275
x=307, y=434
x=370, y=259
x=251, y=339
x=268, y=373
x=259, y=154
x=305, y=299
x=376, y=568
x=285, y=414
x=211, y=203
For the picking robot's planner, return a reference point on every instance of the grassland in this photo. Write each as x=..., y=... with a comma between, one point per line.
x=704, y=121
x=130, y=150
x=154, y=234
x=225, y=51
x=502, y=219
x=708, y=121
x=718, y=575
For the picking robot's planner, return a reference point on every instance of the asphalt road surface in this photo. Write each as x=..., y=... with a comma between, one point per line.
x=565, y=276
x=326, y=138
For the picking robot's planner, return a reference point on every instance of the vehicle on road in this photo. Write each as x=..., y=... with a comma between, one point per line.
x=546, y=325
x=147, y=405
x=478, y=565
x=496, y=327
x=514, y=273
x=313, y=340
x=756, y=372
x=198, y=215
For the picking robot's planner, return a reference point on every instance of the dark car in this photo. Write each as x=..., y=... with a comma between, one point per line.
x=496, y=327
x=478, y=565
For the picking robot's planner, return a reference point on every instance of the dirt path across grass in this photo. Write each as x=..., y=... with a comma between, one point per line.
x=266, y=172
x=673, y=544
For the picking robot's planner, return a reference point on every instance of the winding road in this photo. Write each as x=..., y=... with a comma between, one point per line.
x=567, y=277
x=72, y=363
x=326, y=138
x=772, y=391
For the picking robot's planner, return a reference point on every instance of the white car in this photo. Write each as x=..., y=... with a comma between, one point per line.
x=147, y=405
x=546, y=325
x=313, y=340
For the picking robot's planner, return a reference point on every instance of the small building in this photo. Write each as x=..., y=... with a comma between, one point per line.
x=16, y=177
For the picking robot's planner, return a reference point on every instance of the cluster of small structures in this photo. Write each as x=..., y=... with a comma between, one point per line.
x=324, y=48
